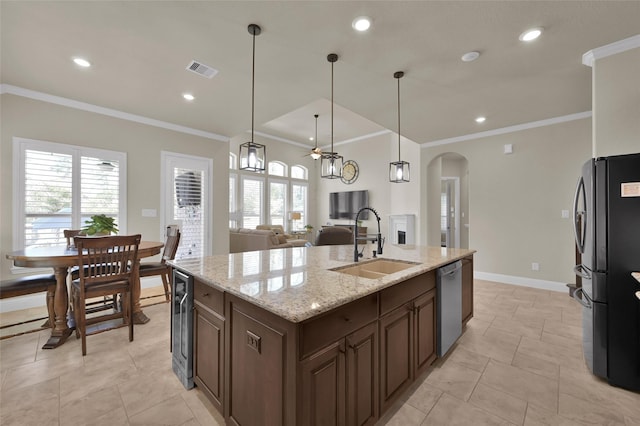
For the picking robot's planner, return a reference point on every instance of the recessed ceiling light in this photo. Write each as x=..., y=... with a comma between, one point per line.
x=361, y=23
x=470, y=56
x=188, y=96
x=481, y=119
x=531, y=34
x=311, y=138
x=82, y=62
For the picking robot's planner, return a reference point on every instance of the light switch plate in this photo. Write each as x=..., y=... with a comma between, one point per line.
x=149, y=213
x=565, y=214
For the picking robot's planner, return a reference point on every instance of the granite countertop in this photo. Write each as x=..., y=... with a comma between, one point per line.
x=297, y=283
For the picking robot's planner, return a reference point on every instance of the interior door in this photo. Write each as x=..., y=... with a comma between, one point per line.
x=186, y=193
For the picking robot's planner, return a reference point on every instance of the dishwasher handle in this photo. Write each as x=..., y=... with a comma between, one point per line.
x=450, y=269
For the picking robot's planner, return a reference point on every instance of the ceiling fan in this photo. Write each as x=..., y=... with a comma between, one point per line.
x=316, y=152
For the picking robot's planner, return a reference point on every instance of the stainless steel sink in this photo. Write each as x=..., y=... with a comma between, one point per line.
x=376, y=268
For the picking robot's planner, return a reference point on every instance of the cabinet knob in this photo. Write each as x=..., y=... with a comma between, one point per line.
x=347, y=319
x=205, y=294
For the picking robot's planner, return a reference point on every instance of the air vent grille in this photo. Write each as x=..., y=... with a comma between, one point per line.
x=202, y=69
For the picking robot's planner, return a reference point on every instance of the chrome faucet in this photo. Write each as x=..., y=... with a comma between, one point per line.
x=356, y=255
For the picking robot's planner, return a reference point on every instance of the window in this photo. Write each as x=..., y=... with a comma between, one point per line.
x=232, y=161
x=59, y=186
x=277, y=203
x=252, y=202
x=299, y=172
x=277, y=168
x=299, y=204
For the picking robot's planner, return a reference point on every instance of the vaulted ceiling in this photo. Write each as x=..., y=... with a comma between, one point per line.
x=139, y=51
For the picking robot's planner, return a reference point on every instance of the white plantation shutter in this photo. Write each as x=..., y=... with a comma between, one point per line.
x=99, y=188
x=47, y=196
x=59, y=186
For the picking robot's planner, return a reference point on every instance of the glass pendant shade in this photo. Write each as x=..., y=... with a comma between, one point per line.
x=331, y=165
x=252, y=156
x=399, y=171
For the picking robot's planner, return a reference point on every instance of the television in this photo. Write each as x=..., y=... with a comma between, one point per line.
x=345, y=205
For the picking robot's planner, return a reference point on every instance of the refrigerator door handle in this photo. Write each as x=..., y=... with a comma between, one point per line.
x=579, y=217
x=583, y=301
x=581, y=271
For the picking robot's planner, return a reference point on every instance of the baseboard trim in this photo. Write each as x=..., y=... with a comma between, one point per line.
x=521, y=281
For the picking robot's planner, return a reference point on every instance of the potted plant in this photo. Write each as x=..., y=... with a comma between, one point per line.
x=100, y=224
x=308, y=228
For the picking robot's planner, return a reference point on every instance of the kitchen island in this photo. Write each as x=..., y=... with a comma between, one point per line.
x=295, y=336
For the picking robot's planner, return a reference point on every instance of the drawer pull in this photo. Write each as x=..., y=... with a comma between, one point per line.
x=205, y=294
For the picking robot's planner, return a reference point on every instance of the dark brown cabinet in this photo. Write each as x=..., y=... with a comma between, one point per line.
x=339, y=382
x=346, y=366
x=467, y=289
x=407, y=335
x=208, y=342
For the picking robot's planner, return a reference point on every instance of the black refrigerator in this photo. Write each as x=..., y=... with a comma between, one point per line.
x=607, y=231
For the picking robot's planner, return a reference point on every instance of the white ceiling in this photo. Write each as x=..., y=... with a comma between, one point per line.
x=139, y=51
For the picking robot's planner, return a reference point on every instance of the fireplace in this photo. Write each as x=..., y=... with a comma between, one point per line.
x=402, y=229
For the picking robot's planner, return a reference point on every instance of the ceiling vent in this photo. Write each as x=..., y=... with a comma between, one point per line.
x=202, y=69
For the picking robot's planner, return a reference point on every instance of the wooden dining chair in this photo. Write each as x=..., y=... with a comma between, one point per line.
x=107, y=302
x=69, y=234
x=112, y=263
x=161, y=268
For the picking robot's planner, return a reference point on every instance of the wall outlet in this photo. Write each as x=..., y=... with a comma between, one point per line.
x=149, y=213
x=535, y=266
x=565, y=214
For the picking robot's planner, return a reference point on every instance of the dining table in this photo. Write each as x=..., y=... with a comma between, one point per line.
x=61, y=258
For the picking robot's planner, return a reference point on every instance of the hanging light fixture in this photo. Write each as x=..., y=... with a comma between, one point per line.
x=316, y=152
x=398, y=170
x=331, y=162
x=253, y=156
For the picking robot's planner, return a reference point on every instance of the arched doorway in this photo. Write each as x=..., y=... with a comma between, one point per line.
x=448, y=201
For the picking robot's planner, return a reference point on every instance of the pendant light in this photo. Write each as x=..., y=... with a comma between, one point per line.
x=253, y=156
x=331, y=162
x=316, y=152
x=399, y=170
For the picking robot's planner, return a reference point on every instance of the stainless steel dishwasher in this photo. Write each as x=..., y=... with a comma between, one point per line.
x=449, y=306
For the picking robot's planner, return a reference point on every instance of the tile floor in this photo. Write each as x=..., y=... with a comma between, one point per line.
x=518, y=362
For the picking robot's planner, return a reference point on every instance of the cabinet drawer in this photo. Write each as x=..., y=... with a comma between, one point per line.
x=208, y=296
x=401, y=293
x=336, y=324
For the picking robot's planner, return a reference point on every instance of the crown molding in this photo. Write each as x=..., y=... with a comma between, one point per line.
x=610, y=49
x=509, y=129
x=70, y=103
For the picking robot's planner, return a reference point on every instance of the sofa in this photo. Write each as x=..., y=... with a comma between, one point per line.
x=243, y=239
x=279, y=230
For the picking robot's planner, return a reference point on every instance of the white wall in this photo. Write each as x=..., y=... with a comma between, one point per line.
x=616, y=104
x=515, y=201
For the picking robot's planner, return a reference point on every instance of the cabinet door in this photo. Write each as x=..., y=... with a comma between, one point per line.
x=362, y=376
x=467, y=289
x=396, y=353
x=208, y=368
x=257, y=370
x=323, y=386
x=425, y=335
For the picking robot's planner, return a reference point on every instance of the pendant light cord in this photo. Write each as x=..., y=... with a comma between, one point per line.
x=331, y=108
x=316, y=116
x=398, y=118
x=253, y=84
